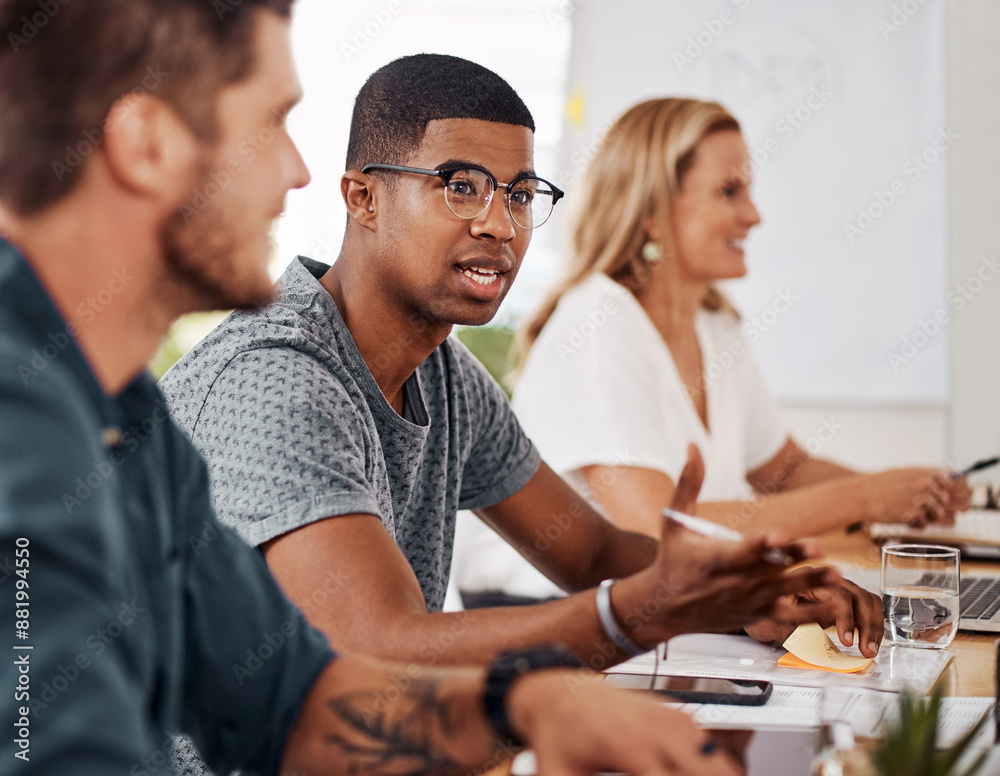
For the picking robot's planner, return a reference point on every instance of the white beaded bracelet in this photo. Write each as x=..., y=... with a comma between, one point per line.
x=610, y=625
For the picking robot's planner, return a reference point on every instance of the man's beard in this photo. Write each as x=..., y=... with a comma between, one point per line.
x=204, y=268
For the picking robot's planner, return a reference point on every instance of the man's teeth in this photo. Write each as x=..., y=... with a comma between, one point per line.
x=483, y=277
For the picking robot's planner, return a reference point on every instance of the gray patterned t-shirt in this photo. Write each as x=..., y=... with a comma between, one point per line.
x=295, y=429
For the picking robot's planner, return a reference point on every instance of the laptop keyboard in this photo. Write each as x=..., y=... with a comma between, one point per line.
x=979, y=597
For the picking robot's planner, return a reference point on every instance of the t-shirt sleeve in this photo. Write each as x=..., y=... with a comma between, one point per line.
x=766, y=432
x=77, y=706
x=285, y=445
x=251, y=658
x=501, y=459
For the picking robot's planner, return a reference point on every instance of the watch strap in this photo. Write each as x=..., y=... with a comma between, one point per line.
x=508, y=667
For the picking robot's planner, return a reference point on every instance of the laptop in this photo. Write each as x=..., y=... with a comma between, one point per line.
x=977, y=534
x=978, y=597
x=979, y=603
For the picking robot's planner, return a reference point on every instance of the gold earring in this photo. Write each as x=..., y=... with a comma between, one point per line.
x=652, y=252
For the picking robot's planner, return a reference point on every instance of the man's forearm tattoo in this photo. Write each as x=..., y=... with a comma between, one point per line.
x=403, y=736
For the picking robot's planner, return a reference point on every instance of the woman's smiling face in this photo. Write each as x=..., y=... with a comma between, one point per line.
x=713, y=212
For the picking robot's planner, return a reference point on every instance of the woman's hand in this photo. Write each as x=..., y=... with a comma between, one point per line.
x=917, y=496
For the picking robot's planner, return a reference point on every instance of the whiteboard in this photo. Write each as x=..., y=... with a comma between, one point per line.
x=843, y=107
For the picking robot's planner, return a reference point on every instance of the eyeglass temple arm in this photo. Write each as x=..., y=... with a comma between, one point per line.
x=401, y=168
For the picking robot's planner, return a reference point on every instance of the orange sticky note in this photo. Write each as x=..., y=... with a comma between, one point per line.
x=788, y=660
x=810, y=647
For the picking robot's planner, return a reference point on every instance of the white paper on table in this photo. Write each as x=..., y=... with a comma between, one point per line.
x=798, y=707
x=958, y=715
x=788, y=707
x=740, y=657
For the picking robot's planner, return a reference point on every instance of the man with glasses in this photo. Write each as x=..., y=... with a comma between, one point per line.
x=344, y=428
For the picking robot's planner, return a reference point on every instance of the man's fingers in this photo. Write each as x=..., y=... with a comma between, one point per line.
x=868, y=620
x=845, y=620
x=757, y=597
x=806, y=579
x=798, y=613
x=689, y=483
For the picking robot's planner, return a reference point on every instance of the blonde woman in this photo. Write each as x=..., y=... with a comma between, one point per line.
x=636, y=353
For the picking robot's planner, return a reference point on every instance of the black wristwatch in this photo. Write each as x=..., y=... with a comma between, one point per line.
x=508, y=667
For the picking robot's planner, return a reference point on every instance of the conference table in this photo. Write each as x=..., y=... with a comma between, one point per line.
x=972, y=671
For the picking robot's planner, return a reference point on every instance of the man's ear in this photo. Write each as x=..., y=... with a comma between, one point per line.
x=359, y=196
x=149, y=149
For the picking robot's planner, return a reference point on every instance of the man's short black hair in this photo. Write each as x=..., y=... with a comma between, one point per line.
x=396, y=103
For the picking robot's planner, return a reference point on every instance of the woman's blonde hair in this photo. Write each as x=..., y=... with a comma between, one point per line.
x=634, y=175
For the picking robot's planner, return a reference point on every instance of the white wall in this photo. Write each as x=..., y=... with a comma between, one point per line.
x=870, y=438
x=974, y=334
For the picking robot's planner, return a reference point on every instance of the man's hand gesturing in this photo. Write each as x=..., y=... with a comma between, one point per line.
x=700, y=584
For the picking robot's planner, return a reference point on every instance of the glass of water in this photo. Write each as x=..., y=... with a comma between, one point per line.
x=920, y=594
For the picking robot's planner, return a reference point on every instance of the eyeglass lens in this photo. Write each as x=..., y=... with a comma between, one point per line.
x=529, y=203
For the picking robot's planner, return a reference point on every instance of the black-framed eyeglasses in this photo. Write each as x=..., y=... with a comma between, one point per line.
x=469, y=190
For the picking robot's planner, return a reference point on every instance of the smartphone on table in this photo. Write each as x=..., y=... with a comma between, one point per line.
x=697, y=689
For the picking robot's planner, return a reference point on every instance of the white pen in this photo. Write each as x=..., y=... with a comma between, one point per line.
x=715, y=531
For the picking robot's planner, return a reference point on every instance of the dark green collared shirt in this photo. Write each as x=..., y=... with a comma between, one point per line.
x=129, y=612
